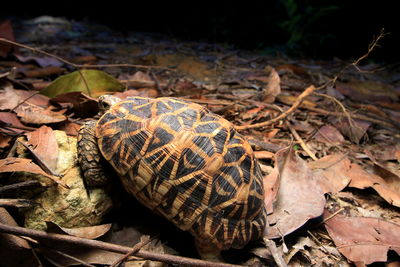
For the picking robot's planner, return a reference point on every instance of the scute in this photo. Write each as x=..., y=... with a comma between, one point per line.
x=163, y=149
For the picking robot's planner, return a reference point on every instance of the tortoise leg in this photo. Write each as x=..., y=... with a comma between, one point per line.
x=208, y=251
x=89, y=156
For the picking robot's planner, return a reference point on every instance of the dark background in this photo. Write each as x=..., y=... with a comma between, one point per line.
x=318, y=29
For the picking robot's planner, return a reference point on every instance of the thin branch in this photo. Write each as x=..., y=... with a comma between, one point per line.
x=172, y=259
x=78, y=66
x=308, y=91
x=301, y=141
x=133, y=251
x=371, y=47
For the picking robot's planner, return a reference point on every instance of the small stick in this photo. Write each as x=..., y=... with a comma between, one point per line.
x=275, y=253
x=134, y=250
x=308, y=91
x=332, y=215
x=36, y=50
x=301, y=141
x=15, y=230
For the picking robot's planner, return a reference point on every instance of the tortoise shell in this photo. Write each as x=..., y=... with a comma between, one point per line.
x=187, y=164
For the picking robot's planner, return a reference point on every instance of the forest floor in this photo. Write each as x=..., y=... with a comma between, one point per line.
x=326, y=134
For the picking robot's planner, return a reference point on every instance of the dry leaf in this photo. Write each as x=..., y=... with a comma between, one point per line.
x=89, y=232
x=362, y=179
x=368, y=91
x=271, y=188
x=33, y=114
x=23, y=165
x=363, y=239
x=354, y=130
x=329, y=135
x=84, y=106
x=10, y=120
x=44, y=144
x=300, y=197
x=273, y=87
x=42, y=72
x=331, y=172
x=9, y=98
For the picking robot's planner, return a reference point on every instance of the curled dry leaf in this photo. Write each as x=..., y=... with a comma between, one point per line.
x=11, y=121
x=331, y=172
x=329, y=135
x=89, y=232
x=9, y=98
x=273, y=87
x=300, y=197
x=23, y=165
x=44, y=144
x=362, y=239
x=271, y=188
x=354, y=129
x=84, y=106
x=388, y=190
x=37, y=115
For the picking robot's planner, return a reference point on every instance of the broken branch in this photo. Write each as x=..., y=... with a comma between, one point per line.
x=172, y=259
x=308, y=91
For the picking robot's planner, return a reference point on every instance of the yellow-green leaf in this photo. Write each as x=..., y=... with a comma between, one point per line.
x=94, y=81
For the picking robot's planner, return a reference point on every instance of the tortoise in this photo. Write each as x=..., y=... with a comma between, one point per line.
x=181, y=161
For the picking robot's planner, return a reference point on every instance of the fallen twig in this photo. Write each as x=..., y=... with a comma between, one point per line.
x=78, y=66
x=133, y=251
x=308, y=91
x=301, y=142
x=20, y=231
x=277, y=255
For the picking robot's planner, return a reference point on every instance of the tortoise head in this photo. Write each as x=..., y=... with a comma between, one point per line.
x=106, y=101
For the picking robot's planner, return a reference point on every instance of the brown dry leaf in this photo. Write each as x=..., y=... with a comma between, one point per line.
x=300, y=197
x=140, y=80
x=362, y=239
x=354, y=130
x=33, y=114
x=331, y=172
x=294, y=69
x=14, y=251
x=70, y=128
x=290, y=99
x=84, y=106
x=273, y=87
x=89, y=232
x=44, y=144
x=329, y=135
x=43, y=72
x=367, y=91
x=271, y=189
x=187, y=64
x=23, y=165
x=144, y=92
x=10, y=120
x=384, y=152
x=388, y=190
x=9, y=98
x=4, y=141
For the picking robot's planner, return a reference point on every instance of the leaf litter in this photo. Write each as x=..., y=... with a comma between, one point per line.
x=355, y=143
